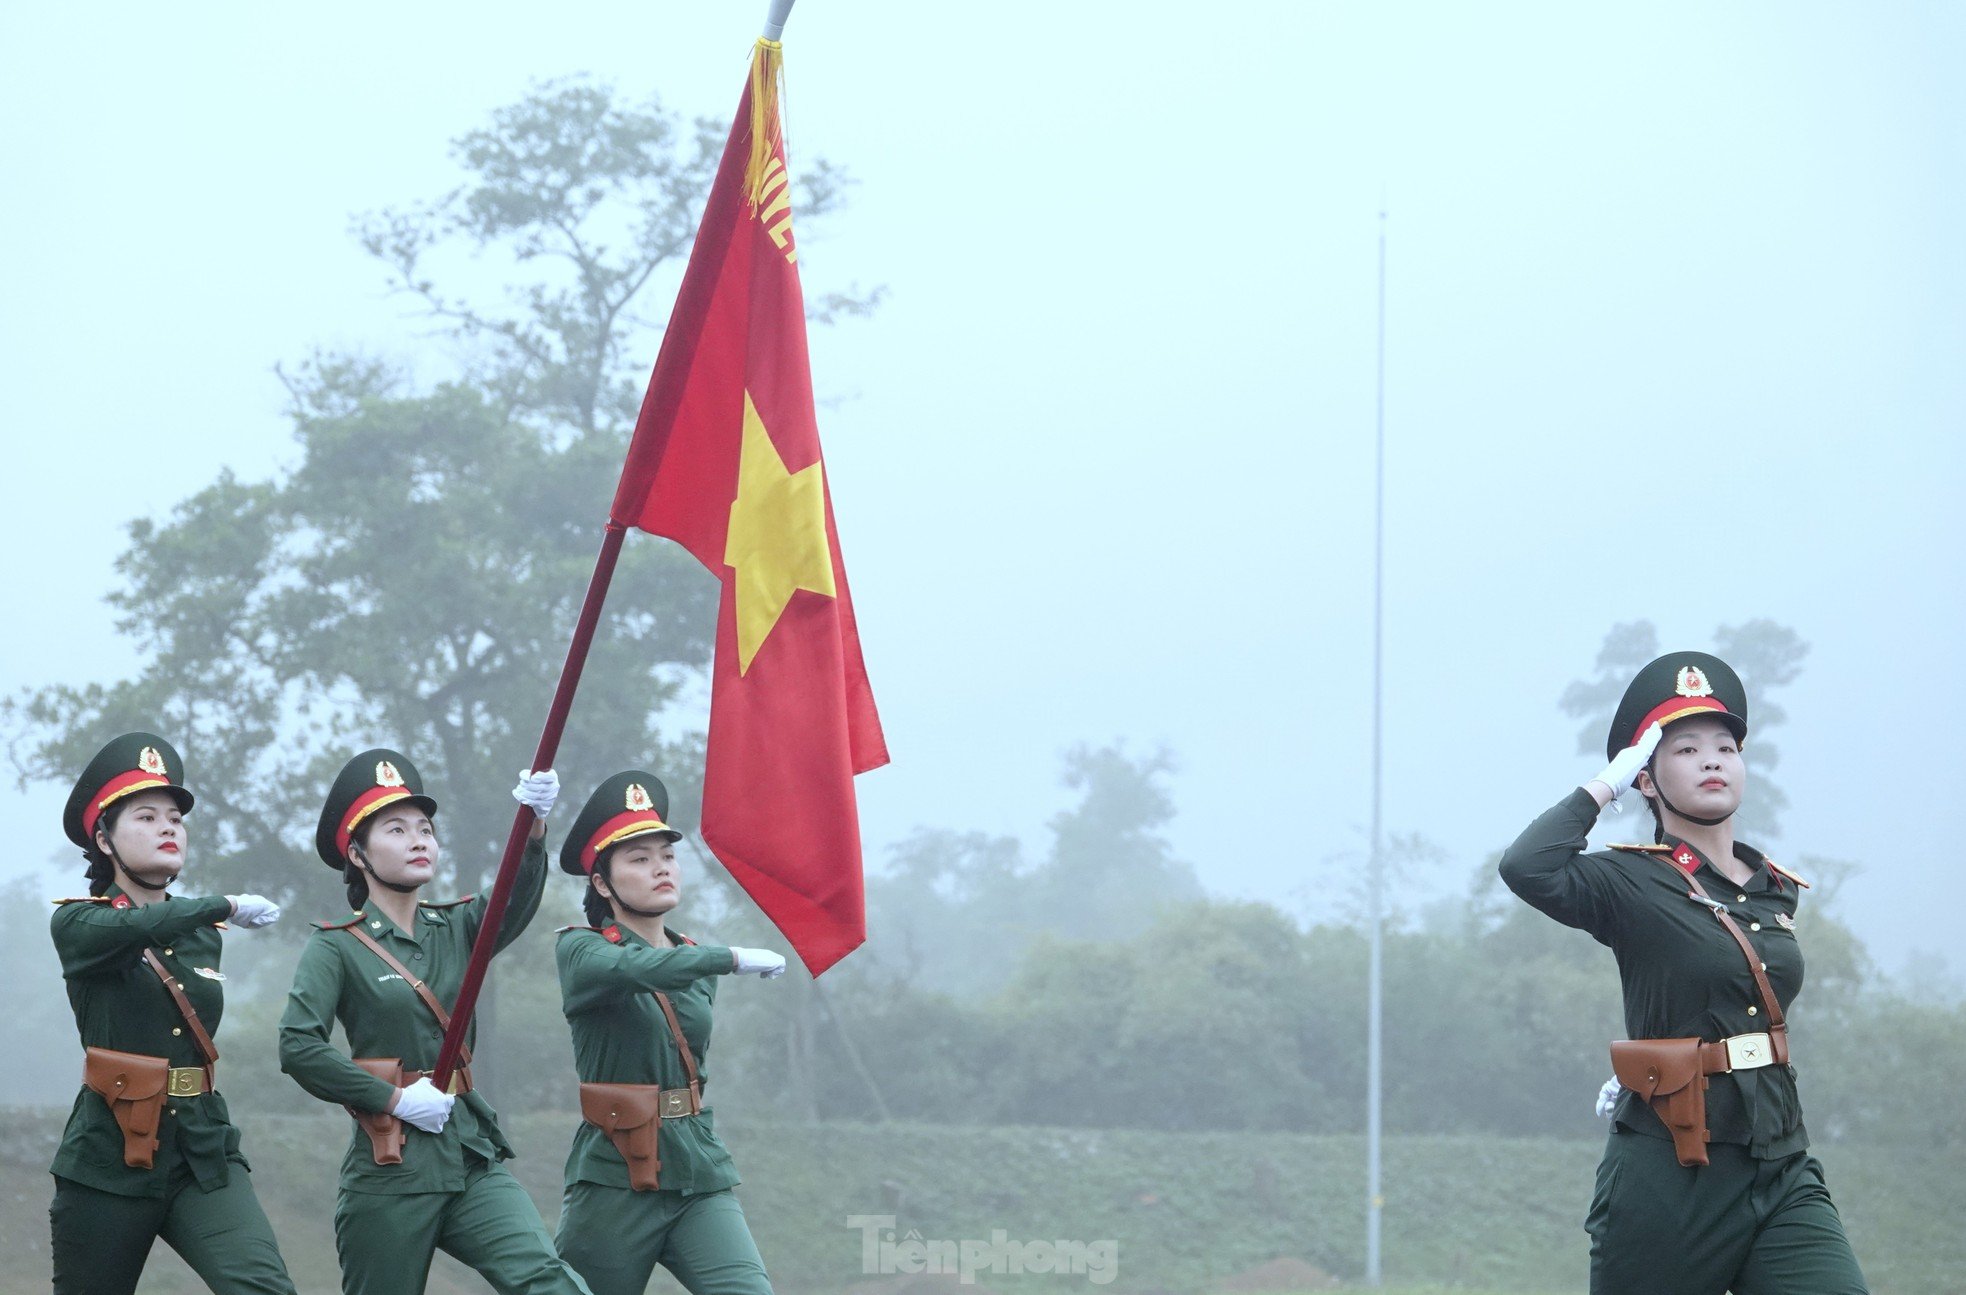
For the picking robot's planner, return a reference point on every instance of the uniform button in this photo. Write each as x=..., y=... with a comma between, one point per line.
x=1753, y=1010
x=174, y=1110
x=176, y=1030
x=1740, y=899
x=1754, y=926
x=416, y=957
x=170, y=953
x=375, y=926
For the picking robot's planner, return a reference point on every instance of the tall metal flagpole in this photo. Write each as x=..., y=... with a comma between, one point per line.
x=1375, y=1200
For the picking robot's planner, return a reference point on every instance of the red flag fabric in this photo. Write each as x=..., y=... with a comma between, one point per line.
x=726, y=461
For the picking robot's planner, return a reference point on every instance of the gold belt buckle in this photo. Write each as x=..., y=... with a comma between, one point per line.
x=184, y=1081
x=1749, y=1051
x=675, y=1103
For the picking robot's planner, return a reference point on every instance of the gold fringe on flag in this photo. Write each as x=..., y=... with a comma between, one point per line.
x=767, y=130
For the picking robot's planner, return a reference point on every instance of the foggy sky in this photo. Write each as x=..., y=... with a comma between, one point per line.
x=1674, y=332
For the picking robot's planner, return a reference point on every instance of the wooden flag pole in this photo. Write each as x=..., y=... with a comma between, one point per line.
x=515, y=844
x=549, y=745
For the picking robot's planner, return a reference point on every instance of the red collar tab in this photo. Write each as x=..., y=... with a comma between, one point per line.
x=1683, y=855
x=121, y=901
x=611, y=933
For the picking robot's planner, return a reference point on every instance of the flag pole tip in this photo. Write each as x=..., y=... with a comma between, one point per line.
x=775, y=19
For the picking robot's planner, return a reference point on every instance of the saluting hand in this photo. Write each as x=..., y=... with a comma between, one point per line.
x=1619, y=775
x=758, y=962
x=537, y=791
x=423, y=1105
x=251, y=911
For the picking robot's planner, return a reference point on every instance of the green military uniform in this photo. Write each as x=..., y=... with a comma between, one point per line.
x=450, y=1190
x=1757, y=1219
x=197, y=1194
x=691, y=1223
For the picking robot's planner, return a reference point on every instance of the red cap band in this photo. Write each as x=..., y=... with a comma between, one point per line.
x=1674, y=708
x=115, y=789
x=619, y=828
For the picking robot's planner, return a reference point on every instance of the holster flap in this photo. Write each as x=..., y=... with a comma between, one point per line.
x=124, y=1076
x=1655, y=1067
x=631, y=1116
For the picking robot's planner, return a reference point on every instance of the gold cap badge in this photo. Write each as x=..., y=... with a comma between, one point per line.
x=638, y=798
x=151, y=763
x=1692, y=683
x=386, y=774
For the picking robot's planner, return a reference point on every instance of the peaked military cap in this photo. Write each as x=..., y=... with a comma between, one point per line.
x=630, y=804
x=365, y=784
x=129, y=764
x=1673, y=687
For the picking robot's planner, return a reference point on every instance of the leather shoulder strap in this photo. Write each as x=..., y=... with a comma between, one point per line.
x=676, y=1032
x=1776, y=1022
x=184, y=1007
x=422, y=990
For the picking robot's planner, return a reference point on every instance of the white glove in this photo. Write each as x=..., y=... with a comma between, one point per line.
x=537, y=791
x=1607, y=1097
x=422, y=1105
x=758, y=962
x=251, y=911
x=1624, y=767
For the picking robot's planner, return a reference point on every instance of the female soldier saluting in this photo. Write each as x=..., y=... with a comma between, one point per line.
x=1707, y=1184
x=150, y=1150
x=386, y=973
x=647, y=1180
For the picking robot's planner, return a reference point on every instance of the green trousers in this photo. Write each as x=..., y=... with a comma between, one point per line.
x=616, y=1237
x=386, y=1242
x=1753, y=1227
x=101, y=1240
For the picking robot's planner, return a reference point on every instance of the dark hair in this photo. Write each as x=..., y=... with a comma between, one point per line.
x=599, y=911
x=351, y=872
x=102, y=869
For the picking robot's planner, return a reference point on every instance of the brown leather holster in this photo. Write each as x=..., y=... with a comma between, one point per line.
x=1671, y=1074
x=133, y=1087
x=631, y=1115
x=385, y=1130
x=1668, y=1076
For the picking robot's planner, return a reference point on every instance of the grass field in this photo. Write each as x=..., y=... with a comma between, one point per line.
x=1187, y=1212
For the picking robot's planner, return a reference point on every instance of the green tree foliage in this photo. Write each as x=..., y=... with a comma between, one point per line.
x=1767, y=655
x=953, y=909
x=412, y=580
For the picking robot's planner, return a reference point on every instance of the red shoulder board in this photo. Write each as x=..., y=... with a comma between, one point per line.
x=444, y=903
x=611, y=933
x=577, y=927
x=83, y=899
x=1780, y=871
x=353, y=918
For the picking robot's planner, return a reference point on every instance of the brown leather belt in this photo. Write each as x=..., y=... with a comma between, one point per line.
x=459, y=1085
x=1741, y=1052
x=189, y=1081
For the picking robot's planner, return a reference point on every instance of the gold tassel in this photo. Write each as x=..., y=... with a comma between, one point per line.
x=767, y=139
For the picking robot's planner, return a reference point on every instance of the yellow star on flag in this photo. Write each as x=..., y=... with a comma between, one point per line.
x=776, y=542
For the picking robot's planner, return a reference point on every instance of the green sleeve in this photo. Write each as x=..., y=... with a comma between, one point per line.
x=1547, y=868
x=520, y=906
x=594, y=972
x=306, y=1028
x=95, y=938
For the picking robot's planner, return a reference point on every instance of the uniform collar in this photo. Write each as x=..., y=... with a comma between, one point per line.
x=1688, y=859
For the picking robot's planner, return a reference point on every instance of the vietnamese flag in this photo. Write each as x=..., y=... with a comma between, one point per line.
x=726, y=462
